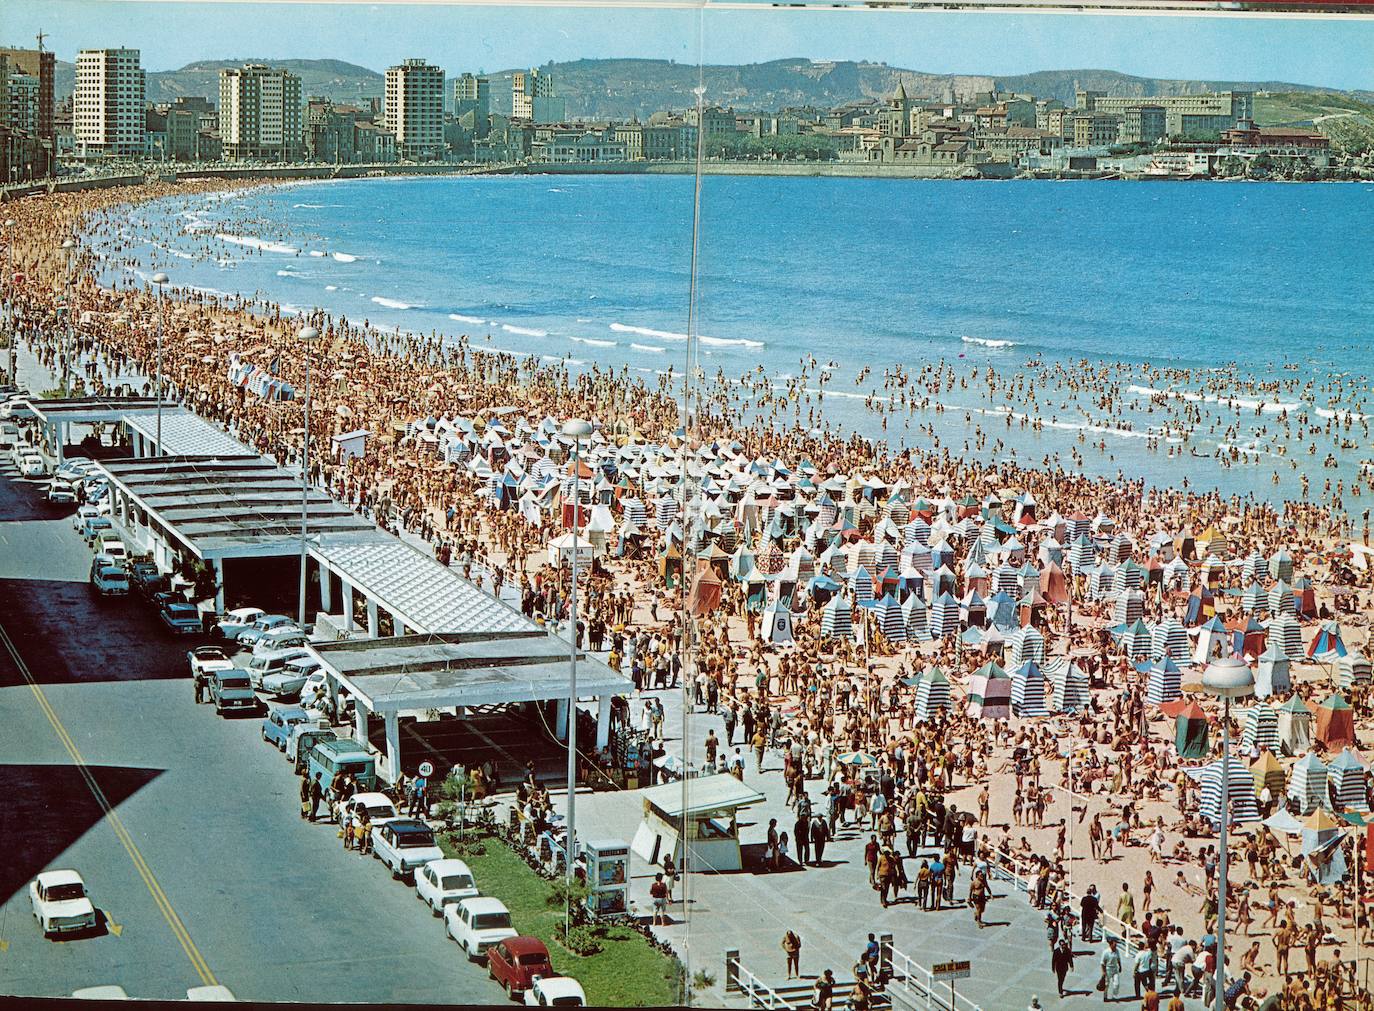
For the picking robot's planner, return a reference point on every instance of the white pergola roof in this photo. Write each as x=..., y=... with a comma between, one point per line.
x=704, y=795
x=185, y=433
x=90, y=410
x=425, y=594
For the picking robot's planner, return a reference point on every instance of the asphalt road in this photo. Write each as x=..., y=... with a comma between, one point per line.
x=185, y=825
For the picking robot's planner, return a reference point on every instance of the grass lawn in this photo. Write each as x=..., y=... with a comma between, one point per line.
x=627, y=972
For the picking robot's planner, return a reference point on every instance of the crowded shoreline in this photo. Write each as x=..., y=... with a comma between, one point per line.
x=379, y=381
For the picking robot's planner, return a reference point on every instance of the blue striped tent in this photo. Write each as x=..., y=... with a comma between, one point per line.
x=1285, y=633
x=1281, y=600
x=837, y=619
x=1261, y=727
x=1001, y=612
x=1307, y=784
x=944, y=616
x=861, y=585
x=1255, y=568
x=1169, y=639
x=1163, y=683
x=1353, y=669
x=1128, y=609
x=932, y=693
x=1028, y=690
x=917, y=619
x=1346, y=781
x=1026, y=644
x=1240, y=787
x=891, y=622
x=1135, y=640
x=1254, y=600
x=1069, y=691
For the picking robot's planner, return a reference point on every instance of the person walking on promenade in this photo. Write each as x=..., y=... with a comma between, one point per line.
x=791, y=945
x=1090, y=906
x=305, y=797
x=1110, y=983
x=978, y=897
x=871, y=851
x=1061, y=959
x=820, y=835
x=801, y=831
x=1125, y=905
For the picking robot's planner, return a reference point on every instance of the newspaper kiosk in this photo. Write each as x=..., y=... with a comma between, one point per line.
x=706, y=805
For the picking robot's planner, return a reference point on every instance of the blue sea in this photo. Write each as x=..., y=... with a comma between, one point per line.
x=1257, y=283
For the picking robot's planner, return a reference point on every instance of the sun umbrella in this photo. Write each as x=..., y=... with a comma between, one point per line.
x=861, y=758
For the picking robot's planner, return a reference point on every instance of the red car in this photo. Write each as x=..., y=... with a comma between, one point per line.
x=516, y=961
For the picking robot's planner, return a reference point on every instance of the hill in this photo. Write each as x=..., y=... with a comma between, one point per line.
x=1346, y=119
x=620, y=88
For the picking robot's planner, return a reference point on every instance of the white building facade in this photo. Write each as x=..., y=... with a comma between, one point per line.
x=260, y=114
x=413, y=110
x=108, y=105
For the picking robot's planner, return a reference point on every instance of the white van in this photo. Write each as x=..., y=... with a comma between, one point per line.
x=263, y=664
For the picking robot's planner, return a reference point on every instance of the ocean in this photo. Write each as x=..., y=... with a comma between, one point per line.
x=1136, y=328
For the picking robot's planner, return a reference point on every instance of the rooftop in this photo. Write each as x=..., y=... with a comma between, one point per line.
x=88, y=410
x=706, y=794
x=185, y=433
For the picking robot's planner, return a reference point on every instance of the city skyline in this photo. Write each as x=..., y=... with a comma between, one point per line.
x=171, y=35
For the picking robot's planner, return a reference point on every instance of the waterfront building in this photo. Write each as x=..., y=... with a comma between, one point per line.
x=1015, y=142
x=580, y=147
x=260, y=114
x=1142, y=124
x=107, y=116
x=1184, y=115
x=1043, y=109
x=533, y=98
x=715, y=122
x=1095, y=129
x=632, y=136
x=1246, y=141
x=472, y=98
x=28, y=140
x=374, y=143
x=414, y=109
x=191, y=123
x=675, y=140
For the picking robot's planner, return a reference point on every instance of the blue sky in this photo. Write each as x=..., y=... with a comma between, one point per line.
x=1332, y=53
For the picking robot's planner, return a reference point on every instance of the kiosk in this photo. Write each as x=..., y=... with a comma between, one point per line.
x=706, y=805
x=608, y=876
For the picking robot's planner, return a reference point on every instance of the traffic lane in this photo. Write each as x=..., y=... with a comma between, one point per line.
x=278, y=908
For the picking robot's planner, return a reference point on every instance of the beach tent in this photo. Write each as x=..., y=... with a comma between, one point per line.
x=1254, y=600
x=1176, y=575
x=1082, y=556
x=1271, y=672
x=1051, y=552
x=1281, y=566
x=822, y=589
x=974, y=608
x=1100, y=582
x=1283, y=631
x=1295, y=726
x=1247, y=635
x=1028, y=690
x=944, y=616
x=1190, y=732
x=837, y=619
x=1026, y=644
x=1240, y=791
x=777, y=625
x=1322, y=853
x=1281, y=600
x=1163, y=684
x=1347, y=782
x=1135, y=640
x=1129, y=608
x=989, y=693
x=1267, y=771
x=916, y=532
x=670, y=567
x=891, y=622
x=1032, y=607
x=1335, y=722
x=1212, y=642
x=1255, y=568
x=1201, y=606
x=705, y=593
x=932, y=693
x=1261, y=727
x=561, y=549
x=1307, y=785
x=1169, y=639
x=917, y=619
x=1054, y=585
x=1327, y=644
x=861, y=585
x=1069, y=691
x=756, y=591
x=1352, y=669
x=1001, y=611
x=1305, y=598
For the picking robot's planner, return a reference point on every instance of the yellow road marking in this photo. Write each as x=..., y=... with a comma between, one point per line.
x=164, y=905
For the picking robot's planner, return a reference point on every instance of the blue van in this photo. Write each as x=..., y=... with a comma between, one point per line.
x=329, y=758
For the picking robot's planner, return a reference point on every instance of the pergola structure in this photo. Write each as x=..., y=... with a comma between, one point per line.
x=54, y=416
x=461, y=670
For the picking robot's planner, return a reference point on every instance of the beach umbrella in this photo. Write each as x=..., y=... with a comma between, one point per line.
x=1327, y=645
x=861, y=759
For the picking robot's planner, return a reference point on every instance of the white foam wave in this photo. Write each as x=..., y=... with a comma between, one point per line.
x=594, y=342
x=1243, y=403
x=1323, y=412
x=316, y=207
x=523, y=331
x=729, y=342
x=644, y=331
x=988, y=343
x=253, y=242
x=318, y=252
x=287, y=273
x=391, y=303
x=652, y=349
x=331, y=287
x=345, y=257
x=459, y=318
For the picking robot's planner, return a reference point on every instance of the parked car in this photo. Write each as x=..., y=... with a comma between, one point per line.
x=304, y=737
x=9, y=435
x=556, y=991
x=60, y=903
x=240, y=619
x=518, y=962
x=205, y=661
x=329, y=758
x=82, y=514
x=477, y=924
x=279, y=638
x=60, y=492
x=377, y=806
x=441, y=882
x=108, y=578
x=32, y=465
x=16, y=409
x=404, y=845
x=263, y=664
x=316, y=680
x=277, y=724
x=231, y=692
x=94, y=527
x=111, y=544
x=288, y=682
x=181, y=617
x=211, y=993
x=250, y=635
x=147, y=581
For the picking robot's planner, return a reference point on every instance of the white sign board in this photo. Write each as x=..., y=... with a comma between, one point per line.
x=426, y=769
x=950, y=970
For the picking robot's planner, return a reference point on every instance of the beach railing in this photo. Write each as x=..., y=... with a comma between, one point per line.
x=921, y=987
x=1021, y=873
x=760, y=994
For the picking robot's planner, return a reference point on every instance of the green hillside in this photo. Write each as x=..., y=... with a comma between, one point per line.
x=1348, y=121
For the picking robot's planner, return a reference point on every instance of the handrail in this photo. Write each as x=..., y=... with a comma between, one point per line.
x=1008, y=866
x=758, y=992
x=906, y=972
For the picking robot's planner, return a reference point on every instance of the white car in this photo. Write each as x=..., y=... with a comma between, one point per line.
x=108, y=578
x=82, y=514
x=210, y=993
x=404, y=845
x=378, y=806
x=113, y=546
x=110, y=991
x=240, y=619
x=555, y=991
x=250, y=635
x=279, y=638
x=477, y=924
x=288, y=682
x=60, y=903
x=31, y=465
x=60, y=491
x=263, y=665
x=441, y=882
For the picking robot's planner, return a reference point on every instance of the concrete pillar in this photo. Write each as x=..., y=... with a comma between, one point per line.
x=61, y=438
x=372, y=618
x=397, y=626
x=560, y=720
x=360, y=721
x=326, y=589
x=393, y=746
x=603, y=721
x=347, y=589
x=218, y=564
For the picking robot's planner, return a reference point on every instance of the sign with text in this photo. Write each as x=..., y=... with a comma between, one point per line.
x=950, y=970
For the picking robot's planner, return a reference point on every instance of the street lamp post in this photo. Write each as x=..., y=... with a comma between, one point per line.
x=1227, y=678
x=575, y=429
x=69, y=246
x=159, y=279
x=307, y=336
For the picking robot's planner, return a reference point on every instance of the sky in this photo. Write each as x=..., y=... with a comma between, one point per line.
x=491, y=37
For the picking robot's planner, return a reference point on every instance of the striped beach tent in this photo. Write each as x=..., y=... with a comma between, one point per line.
x=1285, y=633
x=1006, y=579
x=1281, y=600
x=942, y=580
x=1169, y=639
x=1069, y=691
x=944, y=616
x=1028, y=690
x=918, y=558
x=665, y=512
x=1100, y=582
x=989, y=693
x=1268, y=771
x=1163, y=683
x=1177, y=575
x=1261, y=727
x=1281, y=566
x=891, y=622
x=932, y=693
x=1347, y=781
x=1255, y=568
x=917, y=619
x=1026, y=644
x=1353, y=669
x=1295, y=726
x=1307, y=784
x=1240, y=789
x=1271, y=672
x=1327, y=645
x=916, y=532
x=1128, y=609
x=1254, y=600
x=1212, y=642
x=1129, y=576
x=1001, y=611
x=861, y=585
x=1135, y=640
x=1082, y=556
x=837, y=618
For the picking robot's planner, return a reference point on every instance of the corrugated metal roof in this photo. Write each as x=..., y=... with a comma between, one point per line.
x=187, y=434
